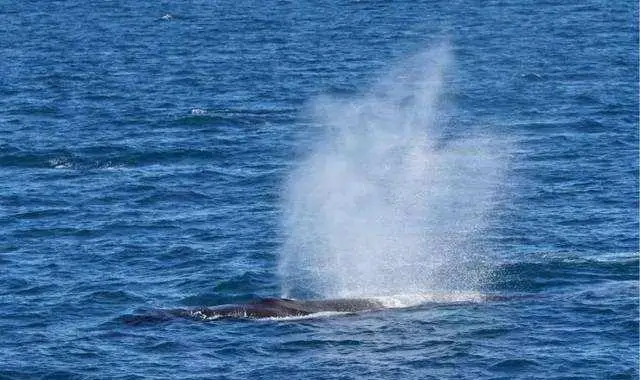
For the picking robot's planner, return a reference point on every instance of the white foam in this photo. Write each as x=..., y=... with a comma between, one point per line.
x=198, y=111
x=321, y=314
x=410, y=300
x=197, y=314
x=59, y=163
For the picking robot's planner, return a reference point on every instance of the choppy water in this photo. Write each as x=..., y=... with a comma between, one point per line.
x=145, y=150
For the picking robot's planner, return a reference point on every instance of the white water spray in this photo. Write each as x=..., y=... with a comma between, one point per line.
x=386, y=203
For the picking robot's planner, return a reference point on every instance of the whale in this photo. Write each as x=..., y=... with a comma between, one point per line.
x=264, y=308
x=259, y=309
x=280, y=308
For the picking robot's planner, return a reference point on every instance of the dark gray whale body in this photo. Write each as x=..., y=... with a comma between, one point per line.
x=279, y=307
x=263, y=308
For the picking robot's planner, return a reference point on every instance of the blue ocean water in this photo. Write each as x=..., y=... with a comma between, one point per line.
x=145, y=151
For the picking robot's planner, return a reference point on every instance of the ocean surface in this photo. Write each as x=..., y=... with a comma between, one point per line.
x=476, y=163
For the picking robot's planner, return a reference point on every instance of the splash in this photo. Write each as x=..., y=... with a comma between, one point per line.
x=389, y=200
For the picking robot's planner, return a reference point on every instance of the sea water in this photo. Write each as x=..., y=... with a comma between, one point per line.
x=430, y=154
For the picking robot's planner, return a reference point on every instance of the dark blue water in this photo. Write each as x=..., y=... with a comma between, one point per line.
x=145, y=150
